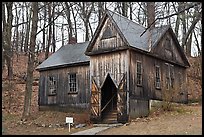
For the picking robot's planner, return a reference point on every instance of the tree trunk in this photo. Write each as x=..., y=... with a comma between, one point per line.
x=27, y=30
x=183, y=21
x=197, y=43
x=31, y=58
x=130, y=3
x=86, y=30
x=150, y=14
x=100, y=11
x=50, y=32
x=7, y=38
x=124, y=9
x=67, y=12
x=75, y=22
x=22, y=32
x=188, y=46
x=45, y=16
x=53, y=29
x=177, y=20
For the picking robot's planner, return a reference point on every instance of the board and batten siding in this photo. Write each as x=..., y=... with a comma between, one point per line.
x=108, y=37
x=63, y=97
x=148, y=89
x=112, y=63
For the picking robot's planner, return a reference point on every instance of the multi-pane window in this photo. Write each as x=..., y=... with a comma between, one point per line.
x=158, y=79
x=172, y=75
x=72, y=83
x=52, y=85
x=169, y=75
x=139, y=73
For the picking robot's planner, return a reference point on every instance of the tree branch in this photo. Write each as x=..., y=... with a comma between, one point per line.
x=19, y=24
x=169, y=16
x=50, y=22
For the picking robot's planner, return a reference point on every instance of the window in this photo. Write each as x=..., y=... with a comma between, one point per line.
x=172, y=75
x=139, y=73
x=169, y=75
x=168, y=48
x=52, y=85
x=72, y=83
x=158, y=79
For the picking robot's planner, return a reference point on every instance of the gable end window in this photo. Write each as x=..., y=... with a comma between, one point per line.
x=158, y=78
x=52, y=85
x=139, y=73
x=72, y=83
x=168, y=49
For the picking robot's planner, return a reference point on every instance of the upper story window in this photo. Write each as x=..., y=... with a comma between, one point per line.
x=158, y=78
x=52, y=85
x=139, y=73
x=168, y=48
x=72, y=83
x=108, y=39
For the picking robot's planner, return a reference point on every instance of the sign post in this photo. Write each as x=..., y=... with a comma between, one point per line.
x=69, y=120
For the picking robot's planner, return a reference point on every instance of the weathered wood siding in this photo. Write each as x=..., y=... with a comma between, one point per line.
x=113, y=63
x=108, y=37
x=63, y=98
x=148, y=89
x=139, y=108
x=167, y=46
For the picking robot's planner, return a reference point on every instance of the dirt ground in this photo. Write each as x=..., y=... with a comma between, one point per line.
x=43, y=123
x=185, y=120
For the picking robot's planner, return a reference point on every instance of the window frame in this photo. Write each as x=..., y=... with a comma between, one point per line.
x=139, y=74
x=52, y=85
x=74, y=88
x=169, y=76
x=157, y=77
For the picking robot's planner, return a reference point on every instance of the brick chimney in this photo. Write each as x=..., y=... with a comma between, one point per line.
x=72, y=40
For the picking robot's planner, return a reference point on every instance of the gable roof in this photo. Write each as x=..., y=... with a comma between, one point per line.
x=131, y=34
x=67, y=55
x=131, y=31
x=157, y=33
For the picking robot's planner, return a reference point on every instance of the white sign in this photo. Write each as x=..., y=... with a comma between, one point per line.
x=69, y=120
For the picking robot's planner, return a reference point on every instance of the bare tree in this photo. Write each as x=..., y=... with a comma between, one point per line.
x=44, y=31
x=100, y=10
x=53, y=28
x=31, y=60
x=7, y=26
x=49, y=31
x=68, y=13
x=28, y=16
x=86, y=9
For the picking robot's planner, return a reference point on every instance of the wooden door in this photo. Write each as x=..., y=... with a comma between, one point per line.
x=122, y=101
x=95, y=101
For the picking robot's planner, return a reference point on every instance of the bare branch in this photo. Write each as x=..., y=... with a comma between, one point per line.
x=169, y=16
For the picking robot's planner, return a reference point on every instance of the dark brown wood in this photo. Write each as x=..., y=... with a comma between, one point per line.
x=62, y=97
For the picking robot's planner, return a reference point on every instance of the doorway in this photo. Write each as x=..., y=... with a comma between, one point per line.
x=108, y=99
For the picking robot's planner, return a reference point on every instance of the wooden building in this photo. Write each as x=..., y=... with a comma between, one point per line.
x=116, y=74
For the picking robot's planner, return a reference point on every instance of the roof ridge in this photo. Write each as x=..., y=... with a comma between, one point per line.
x=124, y=18
x=77, y=43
